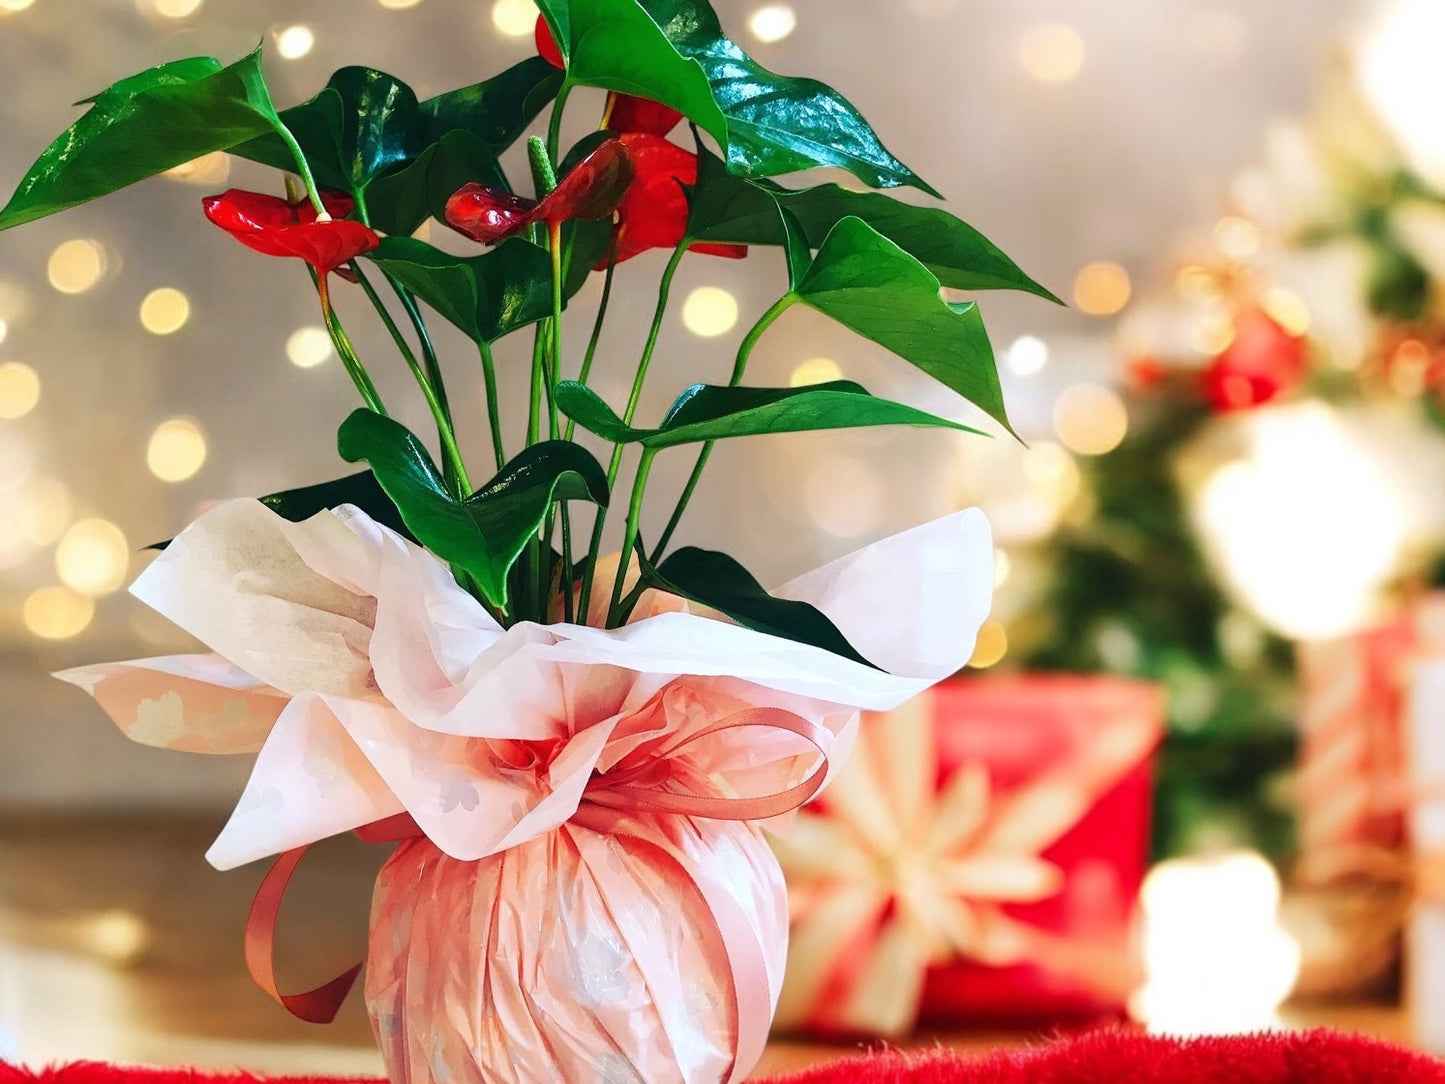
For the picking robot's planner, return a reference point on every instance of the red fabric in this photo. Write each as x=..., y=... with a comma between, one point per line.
x=1102, y=1057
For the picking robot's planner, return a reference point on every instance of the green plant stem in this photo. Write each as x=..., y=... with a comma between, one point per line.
x=534, y=408
x=347, y=352
x=554, y=124
x=489, y=377
x=745, y=350
x=554, y=239
x=629, y=538
x=586, y=370
x=599, y=524
x=428, y=351
x=303, y=170
x=456, y=468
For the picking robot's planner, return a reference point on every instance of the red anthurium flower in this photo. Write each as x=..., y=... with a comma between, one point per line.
x=626, y=113
x=547, y=45
x=279, y=227
x=653, y=213
x=592, y=190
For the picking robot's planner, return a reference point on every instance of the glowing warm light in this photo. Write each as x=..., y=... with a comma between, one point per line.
x=1399, y=67
x=1212, y=334
x=991, y=645
x=294, y=42
x=1409, y=368
x=515, y=18
x=1309, y=527
x=815, y=371
x=170, y=9
x=1236, y=238
x=844, y=496
x=92, y=557
x=398, y=5
x=1102, y=288
x=75, y=266
x=165, y=311
x=46, y=509
x=1028, y=355
x=1002, y=566
x=1052, y=52
x=208, y=169
x=308, y=347
x=1090, y=419
x=9, y=7
x=1051, y=472
x=1216, y=959
x=176, y=450
x=1196, y=283
x=57, y=613
x=4, y=330
x=117, y=936
x=709, y=311
x=19, y=390
x=1287, y=309
x=774, y=22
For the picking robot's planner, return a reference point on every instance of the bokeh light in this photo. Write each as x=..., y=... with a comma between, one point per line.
x=169, y=9
x=165, y=311
x=815, y=371
x=4, y=330
x=1237, y=238
x=1090, y=419
x=1287, y=309
x=92, y=557
x=208, y=169
x=1028, y=355
x=772, y=22
x=76, y=265
x=991, y=646
x=57, y=613
x=1102, y=288
x=9, y=7
x=1051, y=52
x=46, y=509
x=398, y=5
x=514, y=18
x=294, y=42
x=710, y=311
x=19, y=390
x=176, y=450
x=308, y=347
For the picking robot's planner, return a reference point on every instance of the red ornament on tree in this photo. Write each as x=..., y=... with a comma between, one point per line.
x=1263, y=362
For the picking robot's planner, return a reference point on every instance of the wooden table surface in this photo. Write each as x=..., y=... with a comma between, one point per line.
x=118, y=942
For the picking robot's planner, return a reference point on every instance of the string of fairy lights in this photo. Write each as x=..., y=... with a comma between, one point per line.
x=843, y=497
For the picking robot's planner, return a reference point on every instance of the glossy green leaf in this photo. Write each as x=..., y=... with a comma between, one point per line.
x=486, y=296
x=402, y=200
x=361, y=490
x=715, y=579
x=705, y=412
x=142, y=126
x=733, y=210
x=484, y=534
x=613, y=44
x=362, y=124
x=867, y=283
x=775, y=123
x=497, y=111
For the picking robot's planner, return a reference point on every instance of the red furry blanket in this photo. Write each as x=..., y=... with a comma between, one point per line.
x=1313, y=1057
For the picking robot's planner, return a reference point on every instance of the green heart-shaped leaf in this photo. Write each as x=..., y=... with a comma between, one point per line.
x=486, y=296
x=361, y=490
x=705, y=413
x=716, y=580
x=733, y=210
x=867, y=283
x=142, y=126
x=775, y=123
x=615, y=45
x=485, y=534
x=496, y=111
x=362, y=124
x=401, y=201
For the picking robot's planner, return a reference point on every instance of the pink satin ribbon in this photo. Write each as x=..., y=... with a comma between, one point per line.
x=605, y=807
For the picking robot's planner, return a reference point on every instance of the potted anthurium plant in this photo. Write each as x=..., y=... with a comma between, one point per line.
x=573, y=750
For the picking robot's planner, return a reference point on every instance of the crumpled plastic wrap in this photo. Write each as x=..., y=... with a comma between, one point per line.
x=376, y=690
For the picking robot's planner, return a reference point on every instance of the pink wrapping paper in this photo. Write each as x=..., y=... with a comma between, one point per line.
x=551, y=769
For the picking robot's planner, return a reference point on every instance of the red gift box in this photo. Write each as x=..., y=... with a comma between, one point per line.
x=977, y=860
